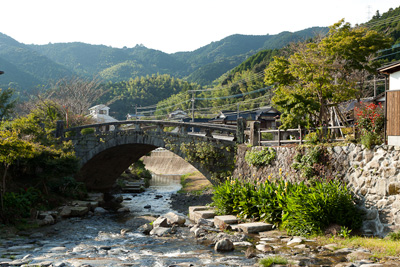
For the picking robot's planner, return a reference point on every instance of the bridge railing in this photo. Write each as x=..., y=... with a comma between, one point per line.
x=207, y=129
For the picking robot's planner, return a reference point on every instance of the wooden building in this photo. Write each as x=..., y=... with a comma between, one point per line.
x=392, y=103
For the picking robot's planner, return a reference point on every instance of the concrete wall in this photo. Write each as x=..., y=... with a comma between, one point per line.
x=167, y=163
x=373, y=175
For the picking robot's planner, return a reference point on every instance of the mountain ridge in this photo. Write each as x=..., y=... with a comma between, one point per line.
x=42, y=63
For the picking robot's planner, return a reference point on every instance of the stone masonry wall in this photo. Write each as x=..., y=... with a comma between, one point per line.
x=373, y=175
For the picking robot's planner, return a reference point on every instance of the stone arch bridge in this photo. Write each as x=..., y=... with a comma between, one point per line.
x=106, y=150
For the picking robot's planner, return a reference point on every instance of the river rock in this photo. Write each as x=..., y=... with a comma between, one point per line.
x=295, y=241
x=198, y=232
x=65, y=211
x=99, y=210
x=359, y=255
x=145, y=228
x=123, y=209
x=40, y=264
x=160, y=222
x=206, y=222
x=250, y=253
x=79, y=211
x=173, y=218
x=224, y=245
x=160, y=231
x=46, y=221
x=345, y=264
x=265, y=248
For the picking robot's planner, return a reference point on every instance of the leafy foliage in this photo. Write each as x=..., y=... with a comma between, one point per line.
x=301, y=209
x=17, y=205
x=310, y=209
x=6, y=104
x=322, y=72
x=370, y=123
x=312, y=163
x=260, y=157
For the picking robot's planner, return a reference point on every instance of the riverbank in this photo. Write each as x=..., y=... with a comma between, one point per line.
x=196, y=191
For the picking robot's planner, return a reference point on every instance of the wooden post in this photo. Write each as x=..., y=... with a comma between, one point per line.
x=279, y=137
x=241, y=126
x=301, y=135
x=254, y=133
x=183, y=129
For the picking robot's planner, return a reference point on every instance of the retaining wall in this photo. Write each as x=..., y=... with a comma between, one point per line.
x=373, y=175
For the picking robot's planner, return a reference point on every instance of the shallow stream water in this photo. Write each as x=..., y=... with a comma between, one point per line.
x=97, y=240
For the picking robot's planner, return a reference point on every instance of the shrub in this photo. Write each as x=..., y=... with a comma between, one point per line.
x=312, y=138
x=17, y=205
x=68, y=187
x=370, y=139
x=86, y=131
x=301, y=209
x=260, y=157
x=370, y=123
x=309, y=210
x=227, y=196
x=312, y=163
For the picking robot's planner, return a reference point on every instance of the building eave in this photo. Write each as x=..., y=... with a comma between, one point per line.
x=390, y=68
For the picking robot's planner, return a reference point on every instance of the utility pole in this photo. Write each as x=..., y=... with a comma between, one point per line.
x=238, y=115
x=193, y=110
x=136, y=112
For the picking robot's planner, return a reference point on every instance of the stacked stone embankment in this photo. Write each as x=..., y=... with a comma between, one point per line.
x=372, y=174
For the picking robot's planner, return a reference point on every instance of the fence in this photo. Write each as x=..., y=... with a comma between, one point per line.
x=294, y=136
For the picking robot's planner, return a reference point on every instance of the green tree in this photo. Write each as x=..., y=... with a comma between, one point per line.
x=322, y=73
x=6, y=103
x=12, y=148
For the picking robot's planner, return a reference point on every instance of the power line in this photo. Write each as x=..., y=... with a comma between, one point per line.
x=252, y=78
x=234, y=96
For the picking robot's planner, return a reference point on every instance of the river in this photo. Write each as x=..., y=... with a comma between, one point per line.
x=97, y=240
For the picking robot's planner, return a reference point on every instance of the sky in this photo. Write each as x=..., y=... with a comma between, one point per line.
x=172, y=25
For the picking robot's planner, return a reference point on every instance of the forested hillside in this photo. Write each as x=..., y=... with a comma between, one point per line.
x=28, y=66
x=389, y=23
x=25, y=68
x=122, y=97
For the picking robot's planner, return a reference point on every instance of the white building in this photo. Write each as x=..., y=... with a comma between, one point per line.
x=392, y=103
x=100, y=114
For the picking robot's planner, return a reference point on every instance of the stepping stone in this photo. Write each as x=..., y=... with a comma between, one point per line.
x=255, y=227
x=225, y=220
x=193, y=209
x=203, y=214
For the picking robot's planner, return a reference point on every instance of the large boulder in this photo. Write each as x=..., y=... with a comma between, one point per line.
x=174, y=219
x=224, y=245
x=160, y=222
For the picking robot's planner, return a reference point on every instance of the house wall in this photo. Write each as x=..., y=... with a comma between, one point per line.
x=394, y=81
x=393, y=114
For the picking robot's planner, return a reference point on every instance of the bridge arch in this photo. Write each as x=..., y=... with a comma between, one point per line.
x=104, y=156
